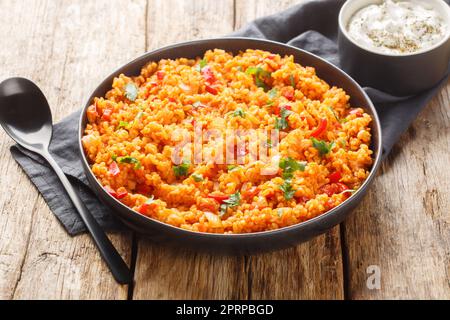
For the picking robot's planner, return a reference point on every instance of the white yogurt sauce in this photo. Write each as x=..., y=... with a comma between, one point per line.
x=397, y=27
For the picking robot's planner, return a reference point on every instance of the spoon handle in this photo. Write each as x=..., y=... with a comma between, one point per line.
x=118, y=267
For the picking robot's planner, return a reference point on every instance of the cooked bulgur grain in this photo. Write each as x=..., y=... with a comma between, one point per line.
x=324, y=143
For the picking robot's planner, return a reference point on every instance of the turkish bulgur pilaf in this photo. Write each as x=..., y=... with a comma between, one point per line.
x=324, y=143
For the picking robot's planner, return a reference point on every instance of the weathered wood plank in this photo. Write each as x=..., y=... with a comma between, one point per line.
x=407, y=234
x=312, y=270
x=163, y=273
x=67, y=47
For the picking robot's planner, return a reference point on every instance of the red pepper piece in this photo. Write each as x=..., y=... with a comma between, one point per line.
x=111, y=191
x=250, y=193
x=356, y=112
x=335, y=177
x=218, y=197
x=160, y=75
x=208, y=74
x=107, y=114
x=320, y=129
x=333, y=188
x=211, y=89
x=114, y=169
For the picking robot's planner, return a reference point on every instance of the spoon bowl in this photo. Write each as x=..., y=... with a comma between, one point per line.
x=25, y=114
x=26, y=117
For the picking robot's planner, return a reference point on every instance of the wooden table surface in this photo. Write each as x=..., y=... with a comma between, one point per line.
x=402, y=228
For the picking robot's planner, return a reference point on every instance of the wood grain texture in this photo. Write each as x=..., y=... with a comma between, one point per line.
x=67, y=47
x=403, y=225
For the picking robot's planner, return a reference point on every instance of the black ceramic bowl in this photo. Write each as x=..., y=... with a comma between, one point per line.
x=237, y=243
x=402, y=75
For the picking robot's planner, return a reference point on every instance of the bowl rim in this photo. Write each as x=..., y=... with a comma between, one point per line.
x=343, y=29
x=303, y=224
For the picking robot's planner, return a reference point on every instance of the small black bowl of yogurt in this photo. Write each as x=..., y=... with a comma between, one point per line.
x=398, y=46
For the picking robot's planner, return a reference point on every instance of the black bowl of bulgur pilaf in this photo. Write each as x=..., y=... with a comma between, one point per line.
x=231, y=145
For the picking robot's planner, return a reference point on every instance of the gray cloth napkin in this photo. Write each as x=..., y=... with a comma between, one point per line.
x=311, y=26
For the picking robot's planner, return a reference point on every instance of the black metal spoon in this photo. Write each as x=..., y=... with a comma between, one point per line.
x=26, y=117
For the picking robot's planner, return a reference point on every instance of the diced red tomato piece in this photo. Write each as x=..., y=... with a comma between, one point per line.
x=211, y=89
x=107, y=114
x=114, y=169
x=143, y=189
x=111, y=191
x=333, y=188
x=208, y=74
x=121, y=193
x=320, y=129
x=335, y=177
x=218, y=197
x=302, y=199
x=160, y=75
x=356, y=112
x=288, y=93
x=250, y=193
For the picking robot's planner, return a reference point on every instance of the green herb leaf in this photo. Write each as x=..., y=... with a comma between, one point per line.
x=130, y=160
x=182, y=169
x=233, y=201
x=202, y=63
x=131, y=91
x=260, y=74
x=289, y=166
x=273, y=93
x=238, y=113
x=197, y=177
x=322, y=146
x=287, y=189
x=232, y=168
x=281, y=123
x=114, y=157
x=292, y=80
x=123, y=124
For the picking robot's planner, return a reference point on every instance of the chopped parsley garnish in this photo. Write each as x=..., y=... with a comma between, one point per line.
x=289, y=166
x=197, y=177
x=233, y=201
x=292, y=80
x=131, y=91
x=130, y=160
x=202, y=64
x=124, y=124
x=114, y=157
x=232, y=168
x=182, y=169
x=273, y=93
x=281, y=122
x=322, y=146
x=260, y=75
x=238, y=113
x=287, y=189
